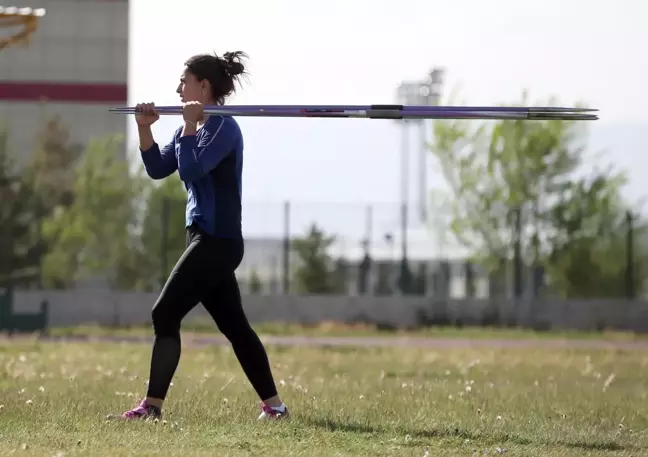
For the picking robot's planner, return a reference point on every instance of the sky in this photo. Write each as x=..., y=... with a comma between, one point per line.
x=358, y=52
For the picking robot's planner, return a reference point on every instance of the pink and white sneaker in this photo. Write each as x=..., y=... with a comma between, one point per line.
x=143, y=411
x=268, y=412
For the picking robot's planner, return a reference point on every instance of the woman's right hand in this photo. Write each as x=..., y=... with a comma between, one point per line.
x=146, y=114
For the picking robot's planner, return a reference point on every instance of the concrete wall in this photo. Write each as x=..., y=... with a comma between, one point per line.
x=76, y=41
x=84, y=122
x=103, y=307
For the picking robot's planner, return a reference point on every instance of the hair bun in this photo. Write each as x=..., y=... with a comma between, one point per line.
x=233, y=62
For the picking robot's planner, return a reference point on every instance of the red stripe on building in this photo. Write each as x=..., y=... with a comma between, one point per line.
x=63, y=92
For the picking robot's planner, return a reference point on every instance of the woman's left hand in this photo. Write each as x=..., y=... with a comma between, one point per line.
x=193, y=112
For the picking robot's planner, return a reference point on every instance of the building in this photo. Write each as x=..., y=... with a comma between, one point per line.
x=75, y=66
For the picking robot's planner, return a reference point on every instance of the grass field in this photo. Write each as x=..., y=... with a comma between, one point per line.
x=345, y=402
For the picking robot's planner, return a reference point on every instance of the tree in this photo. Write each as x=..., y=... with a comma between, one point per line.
x=163, y=235
x=589, y=256
x=314, y=274
x=94, y=235
x=520, y=191
x=19, y=247
x=52, y=166
x=47, y=176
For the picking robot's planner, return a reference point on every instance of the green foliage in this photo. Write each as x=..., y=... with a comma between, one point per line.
x=314, y=274
x=78, y=213
x=572, y=216
x=49, y=173
x=35, y=191
x=93, y=236
x=256, y=287
x=51, y=167
x=19, y=247
x=163, y=236
x=590, y=254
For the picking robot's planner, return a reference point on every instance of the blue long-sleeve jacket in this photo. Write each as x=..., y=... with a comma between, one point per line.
x=210, y=164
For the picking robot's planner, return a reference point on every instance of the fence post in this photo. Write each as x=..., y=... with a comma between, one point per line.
x=517, y=254
x=364, y=267
x=630, y=275
x=405, y=276
x=286, y=249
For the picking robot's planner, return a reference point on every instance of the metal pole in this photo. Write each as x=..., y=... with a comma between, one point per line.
x=630, y=274
x=404, y=189
x=415, y=93
x=368, y=228
x=286, y=250
x=428, y=93
x=405, y=276
x=423, y=153
x=364, y=268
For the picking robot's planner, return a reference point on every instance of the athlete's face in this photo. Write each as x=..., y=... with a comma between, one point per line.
x=192, y=90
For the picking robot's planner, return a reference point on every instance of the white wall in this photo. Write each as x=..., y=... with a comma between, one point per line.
x=93, y=306
x=76, y=42
x=84, y=122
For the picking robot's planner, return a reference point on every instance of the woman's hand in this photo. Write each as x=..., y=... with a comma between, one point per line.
x=193, y=112
x=147, y=115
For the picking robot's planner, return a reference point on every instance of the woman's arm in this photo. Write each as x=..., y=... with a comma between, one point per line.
x=196, y=159
x=158, y=163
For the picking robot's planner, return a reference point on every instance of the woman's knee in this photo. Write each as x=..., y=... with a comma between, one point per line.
x=238, y=332
x=164, y=321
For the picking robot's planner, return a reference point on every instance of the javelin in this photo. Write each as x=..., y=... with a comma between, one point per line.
x=386, y=112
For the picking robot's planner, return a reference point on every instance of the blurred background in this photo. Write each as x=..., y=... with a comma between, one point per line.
x=399, y=224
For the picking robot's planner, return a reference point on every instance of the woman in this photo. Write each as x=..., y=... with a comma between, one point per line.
x=207, y=153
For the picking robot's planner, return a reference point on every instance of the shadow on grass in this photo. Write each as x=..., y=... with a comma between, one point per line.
x=450, y=432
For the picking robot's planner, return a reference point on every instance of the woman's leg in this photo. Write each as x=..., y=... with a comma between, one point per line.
x=223, y=303
x=187, y=283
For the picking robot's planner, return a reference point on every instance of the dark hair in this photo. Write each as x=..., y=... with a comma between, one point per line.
x=221, y=72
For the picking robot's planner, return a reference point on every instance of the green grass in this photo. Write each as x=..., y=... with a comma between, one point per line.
x=345, y=402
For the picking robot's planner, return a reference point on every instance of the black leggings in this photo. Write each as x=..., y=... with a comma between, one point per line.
x=205, y=273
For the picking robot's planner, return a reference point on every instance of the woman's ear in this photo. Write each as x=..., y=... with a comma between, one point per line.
x=204, y=87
